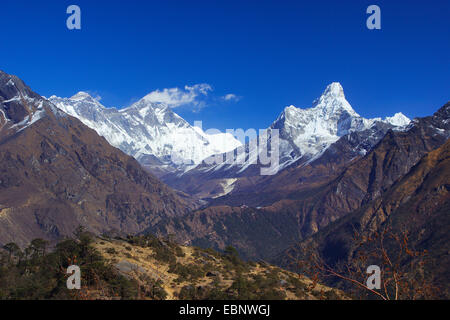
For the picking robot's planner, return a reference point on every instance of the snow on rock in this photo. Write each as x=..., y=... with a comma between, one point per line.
x=308, y=132
x=399, y=119
x=16, y=96
x=227, y=186
x=147, y=128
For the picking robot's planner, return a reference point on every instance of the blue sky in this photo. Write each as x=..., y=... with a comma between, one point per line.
x=268, y=53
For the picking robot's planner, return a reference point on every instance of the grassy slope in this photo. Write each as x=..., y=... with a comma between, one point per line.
x=227, y=273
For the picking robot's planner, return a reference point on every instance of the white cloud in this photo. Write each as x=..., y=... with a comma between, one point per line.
x=176, y=97
x=231, y=97
x=194, y=97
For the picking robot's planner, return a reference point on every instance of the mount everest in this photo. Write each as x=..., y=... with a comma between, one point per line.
x=151, y=132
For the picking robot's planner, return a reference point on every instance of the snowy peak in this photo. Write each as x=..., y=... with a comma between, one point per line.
x=82, y=106
x=156, y=113
x=82, y=96
x=333, y=100
x=147, y=130
x=334, y=89
x=309, y=132
x=20, y=107
x=399, y=119
x=330, y=115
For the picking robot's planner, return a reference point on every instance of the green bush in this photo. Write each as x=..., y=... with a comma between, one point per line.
x=40, y=275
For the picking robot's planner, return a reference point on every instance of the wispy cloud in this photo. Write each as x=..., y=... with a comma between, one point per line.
x=193, y=96
x=231, y=97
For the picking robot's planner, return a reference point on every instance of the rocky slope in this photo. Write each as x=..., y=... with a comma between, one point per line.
x=418, y=203
x=56, y=173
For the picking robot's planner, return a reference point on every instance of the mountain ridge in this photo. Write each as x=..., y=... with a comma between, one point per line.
x=304, y=136
x=305, y=198
x=417, y=203
x=150, y=132
x=56, y=173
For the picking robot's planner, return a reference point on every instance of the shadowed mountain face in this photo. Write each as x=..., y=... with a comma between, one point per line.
x=56, y=173
x=301, y=200
x=418, y=203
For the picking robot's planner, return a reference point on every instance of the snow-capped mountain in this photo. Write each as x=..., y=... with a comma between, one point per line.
x=308, y=132
x=304, y=136
x=150, y=132
x=20, y=107
x=164, y=142
x=57, y=174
